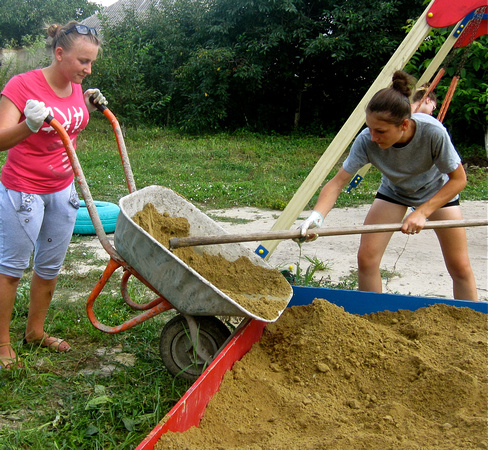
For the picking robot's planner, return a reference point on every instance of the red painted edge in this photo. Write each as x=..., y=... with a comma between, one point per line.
x=202, y=391
x=444, y=13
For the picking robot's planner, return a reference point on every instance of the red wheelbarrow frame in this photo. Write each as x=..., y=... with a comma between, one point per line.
x=152, y=308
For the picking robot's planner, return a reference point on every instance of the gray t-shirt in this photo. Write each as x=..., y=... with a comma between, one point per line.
x=414, y=173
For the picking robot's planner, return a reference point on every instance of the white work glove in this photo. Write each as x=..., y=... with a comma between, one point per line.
x=35, y=112
x=97, y=98
x=315, y=220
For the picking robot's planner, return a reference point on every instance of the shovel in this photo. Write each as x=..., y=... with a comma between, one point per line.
x=193, y=241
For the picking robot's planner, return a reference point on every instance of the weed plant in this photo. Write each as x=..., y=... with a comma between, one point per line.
x=308, y=276
x=305, y=274
x=91, y=397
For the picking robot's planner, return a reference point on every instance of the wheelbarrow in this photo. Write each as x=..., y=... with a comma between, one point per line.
x=193, y=338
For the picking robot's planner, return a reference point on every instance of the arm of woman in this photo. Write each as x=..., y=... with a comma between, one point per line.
x=11, y=131
x=415, y=221
x=331, y=191
x=327, y=198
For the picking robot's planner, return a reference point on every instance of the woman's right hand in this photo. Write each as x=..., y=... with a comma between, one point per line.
x=413, y=223
x=35, y=113
x=315, y=220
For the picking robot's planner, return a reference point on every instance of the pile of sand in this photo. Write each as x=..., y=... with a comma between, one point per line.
x=323, y=378
x=262, y=291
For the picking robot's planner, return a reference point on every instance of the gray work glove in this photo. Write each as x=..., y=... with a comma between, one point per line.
x=314, y=220
x=97, y=98
x=35, y=113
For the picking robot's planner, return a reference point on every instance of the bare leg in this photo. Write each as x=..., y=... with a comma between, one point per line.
x=373, y=246
x=454, y=247
x=8, y=290
x=41, y=294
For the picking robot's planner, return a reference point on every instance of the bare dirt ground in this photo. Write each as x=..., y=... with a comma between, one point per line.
x=416, y=262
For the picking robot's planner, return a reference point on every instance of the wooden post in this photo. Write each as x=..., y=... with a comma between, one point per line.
x=349, y=130
x=438, y=58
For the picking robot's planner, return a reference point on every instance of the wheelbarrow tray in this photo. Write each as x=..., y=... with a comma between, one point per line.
x=191, y=407
x=179, y=283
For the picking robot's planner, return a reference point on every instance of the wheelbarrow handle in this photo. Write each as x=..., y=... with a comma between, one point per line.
x=99, y=106
x=295, y=234
x=81, y=182
x=129, y=175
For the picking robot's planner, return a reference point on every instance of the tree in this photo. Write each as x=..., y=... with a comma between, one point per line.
x=305, y=62
x=141, y=56
x=27, y=18
x=261, y=64
x=268, y=65
x=467, y=115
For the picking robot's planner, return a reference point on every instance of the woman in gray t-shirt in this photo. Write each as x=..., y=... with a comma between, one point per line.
x=421, y=168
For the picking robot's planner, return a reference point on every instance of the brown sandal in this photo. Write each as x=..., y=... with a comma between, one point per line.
x=7, y=362
x=50, y=342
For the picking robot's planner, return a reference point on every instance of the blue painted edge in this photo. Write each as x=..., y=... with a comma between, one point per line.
x=360, y=302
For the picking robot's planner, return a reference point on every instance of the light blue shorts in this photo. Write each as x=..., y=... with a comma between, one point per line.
x=39, y=223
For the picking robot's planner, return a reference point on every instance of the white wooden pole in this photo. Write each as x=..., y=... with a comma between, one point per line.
x=438, y=58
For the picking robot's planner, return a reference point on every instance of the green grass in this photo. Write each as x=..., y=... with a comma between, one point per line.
x=87, y=398
x=222, y=170
x=217, y=171
x=65, y=401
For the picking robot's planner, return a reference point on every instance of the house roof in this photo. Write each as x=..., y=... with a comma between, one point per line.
x=116, y=11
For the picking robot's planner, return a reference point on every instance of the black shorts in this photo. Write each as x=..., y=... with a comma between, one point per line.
x=389, y=199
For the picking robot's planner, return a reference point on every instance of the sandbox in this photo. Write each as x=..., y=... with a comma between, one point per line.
x=414, y=376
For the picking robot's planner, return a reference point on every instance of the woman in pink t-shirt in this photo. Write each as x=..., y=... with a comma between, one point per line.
x=38, y=200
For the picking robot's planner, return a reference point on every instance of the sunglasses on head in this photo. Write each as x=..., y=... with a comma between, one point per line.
x=82, y=29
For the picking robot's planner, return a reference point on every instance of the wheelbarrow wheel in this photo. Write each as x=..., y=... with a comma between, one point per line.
x=176, y=348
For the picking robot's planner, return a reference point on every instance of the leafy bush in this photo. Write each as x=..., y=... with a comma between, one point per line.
x=467, y=115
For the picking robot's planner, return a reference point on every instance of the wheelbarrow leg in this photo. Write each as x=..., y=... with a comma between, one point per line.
x=201, y=352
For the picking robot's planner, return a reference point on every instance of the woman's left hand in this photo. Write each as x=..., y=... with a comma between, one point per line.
x=96, y=98
x=413, y=223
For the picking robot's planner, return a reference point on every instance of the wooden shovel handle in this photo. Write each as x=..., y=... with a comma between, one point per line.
x=193, y=241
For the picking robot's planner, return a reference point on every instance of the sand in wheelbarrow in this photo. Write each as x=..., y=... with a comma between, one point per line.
x=247, y=284
x=323, y=378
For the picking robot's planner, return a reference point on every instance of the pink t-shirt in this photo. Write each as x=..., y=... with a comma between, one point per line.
x=38, y=165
